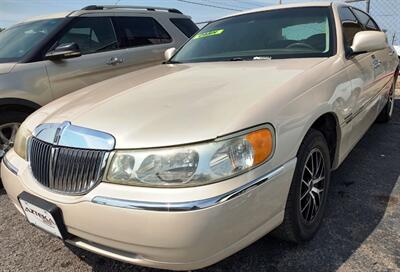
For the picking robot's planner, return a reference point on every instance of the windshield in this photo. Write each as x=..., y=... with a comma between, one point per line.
x=17, y=41
x=284, y=33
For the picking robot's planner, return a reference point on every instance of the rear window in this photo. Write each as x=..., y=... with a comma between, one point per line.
x=185, y=25
x=141, y=31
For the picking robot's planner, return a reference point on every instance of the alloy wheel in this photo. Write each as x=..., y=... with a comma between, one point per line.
x=312, y=186
x=8, y=132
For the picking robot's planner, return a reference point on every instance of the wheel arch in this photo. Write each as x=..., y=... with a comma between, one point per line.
x=18, y=104
x=328, y=124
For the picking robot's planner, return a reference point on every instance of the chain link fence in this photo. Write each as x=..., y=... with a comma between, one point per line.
x=387, y=15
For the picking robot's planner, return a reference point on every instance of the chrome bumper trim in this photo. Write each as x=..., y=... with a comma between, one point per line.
x=10, y=166
x=189, y=205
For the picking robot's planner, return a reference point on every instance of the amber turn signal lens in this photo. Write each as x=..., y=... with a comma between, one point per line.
x=262, y=143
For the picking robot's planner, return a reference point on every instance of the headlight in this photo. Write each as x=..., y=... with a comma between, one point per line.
x=21, y=140
x=193, y=165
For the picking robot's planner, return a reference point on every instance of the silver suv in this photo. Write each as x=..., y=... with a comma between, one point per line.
x=44, y=58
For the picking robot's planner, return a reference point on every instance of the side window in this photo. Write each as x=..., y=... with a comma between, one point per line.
x=186, y=26
x=141, y=31
x=371, y=25
x=91, y=34
x=350, y=25
x=366, y=20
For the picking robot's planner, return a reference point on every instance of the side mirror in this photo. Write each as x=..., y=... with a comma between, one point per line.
x=64, y=51
x=369, y=41
x=169, y=53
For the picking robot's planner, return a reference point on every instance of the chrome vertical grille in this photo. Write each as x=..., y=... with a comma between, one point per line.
x=64, y=169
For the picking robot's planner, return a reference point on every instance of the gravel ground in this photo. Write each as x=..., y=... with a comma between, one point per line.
x=361, y=231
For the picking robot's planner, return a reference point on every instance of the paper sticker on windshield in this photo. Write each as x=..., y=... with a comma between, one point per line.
x=208, y=34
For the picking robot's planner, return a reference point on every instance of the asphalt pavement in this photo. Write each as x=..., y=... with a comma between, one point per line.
x=361, y=231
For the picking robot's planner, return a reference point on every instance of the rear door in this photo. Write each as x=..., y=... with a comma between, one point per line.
x=144, y=40
x=100, y=58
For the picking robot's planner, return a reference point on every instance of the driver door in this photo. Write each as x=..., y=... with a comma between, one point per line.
x=362, y=73
x=101, y=59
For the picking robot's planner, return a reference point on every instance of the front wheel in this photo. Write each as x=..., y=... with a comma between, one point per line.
x=9, y=124
x=308, y=193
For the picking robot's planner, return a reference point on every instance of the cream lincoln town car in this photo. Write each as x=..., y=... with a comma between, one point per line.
x=181, y=165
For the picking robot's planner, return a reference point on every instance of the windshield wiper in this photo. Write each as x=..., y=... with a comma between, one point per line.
x=171, y=62
x=262, y=58
x=250, y=58
x=237, y=59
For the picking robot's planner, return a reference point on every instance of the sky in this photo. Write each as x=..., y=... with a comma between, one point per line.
x=386, y=12
x=13, y=11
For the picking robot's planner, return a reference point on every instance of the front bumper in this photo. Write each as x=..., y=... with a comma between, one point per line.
x=178, y=229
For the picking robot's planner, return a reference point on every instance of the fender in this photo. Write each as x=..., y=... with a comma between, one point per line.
x=324, y=110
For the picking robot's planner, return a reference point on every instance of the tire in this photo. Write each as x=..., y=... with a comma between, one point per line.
x=299, y=226
x=387, y=112
x=9, y=119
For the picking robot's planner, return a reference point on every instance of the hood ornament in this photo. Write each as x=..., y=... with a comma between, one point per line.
x=59, y=132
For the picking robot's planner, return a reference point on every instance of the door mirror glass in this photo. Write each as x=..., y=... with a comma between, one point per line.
x=369, y=41
x=64, y=51
x=169, y=53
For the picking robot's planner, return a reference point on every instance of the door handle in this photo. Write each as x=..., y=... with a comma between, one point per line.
x=115, y=61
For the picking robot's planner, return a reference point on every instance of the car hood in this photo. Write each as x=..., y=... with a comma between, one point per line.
x=5, y=68
x=176, y=104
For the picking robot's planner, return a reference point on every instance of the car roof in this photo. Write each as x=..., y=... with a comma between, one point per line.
x=285, y=6
x=94, y=9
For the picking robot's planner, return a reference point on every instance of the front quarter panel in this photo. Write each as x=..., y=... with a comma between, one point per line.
x=27, y=81
x=323, y=89
x=333, y=96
